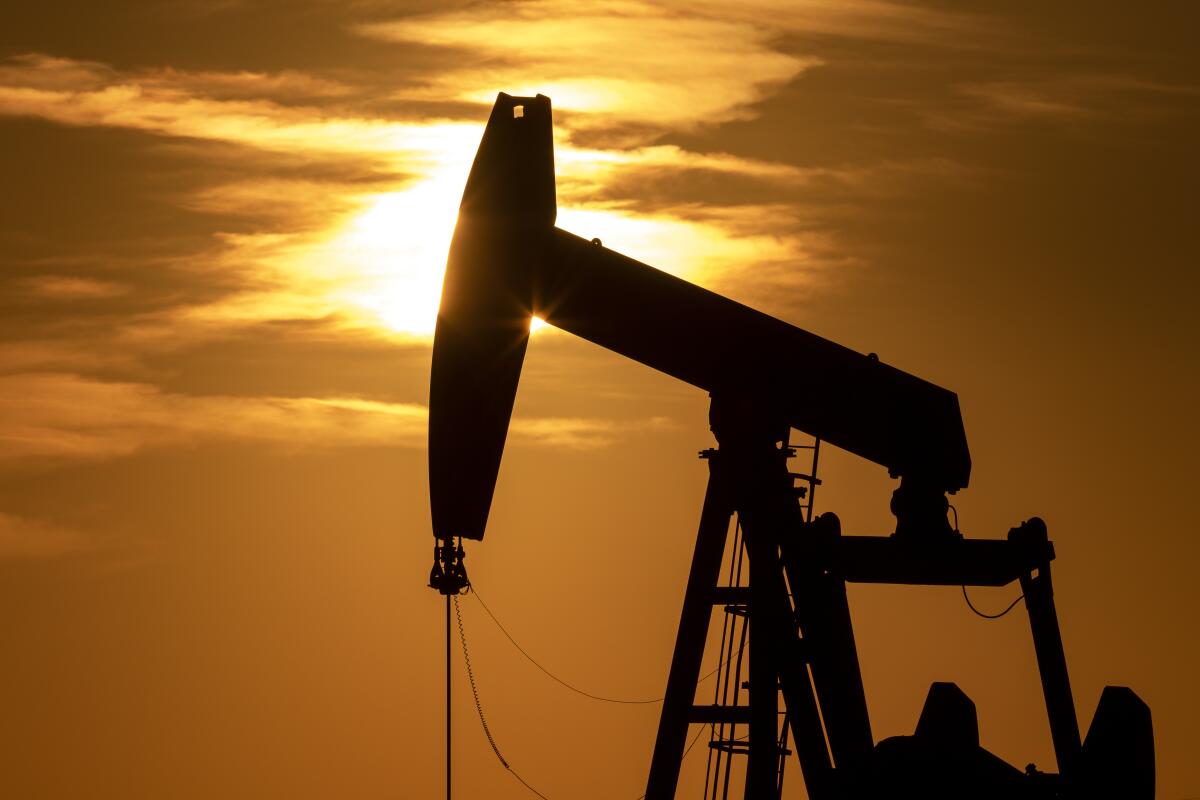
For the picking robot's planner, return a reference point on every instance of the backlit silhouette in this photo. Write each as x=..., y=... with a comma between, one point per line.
x=508, y=262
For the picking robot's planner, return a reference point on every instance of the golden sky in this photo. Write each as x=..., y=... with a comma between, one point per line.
x=223, y=230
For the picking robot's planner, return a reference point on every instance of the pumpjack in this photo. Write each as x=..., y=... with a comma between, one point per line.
x=765, y=377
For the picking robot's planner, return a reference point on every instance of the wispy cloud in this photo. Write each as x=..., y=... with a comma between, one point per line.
x=61, y=416
x=1064, y=98
x=880, y=20
x=660, y=67
x=26, y=538
x=291, y=85
x=576, y=433
x=180, y=103
x=1015, y=100
x=358, y=256
x=65, y=416
x=677, y=65
x=69, y=287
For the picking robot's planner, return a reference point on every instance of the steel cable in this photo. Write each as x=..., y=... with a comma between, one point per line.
x=971, y=605
x=556, y=679
x=462, y=635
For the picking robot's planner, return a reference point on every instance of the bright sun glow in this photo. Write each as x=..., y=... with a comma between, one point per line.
x=398, y=246
x=392, y=254
x=383, y=265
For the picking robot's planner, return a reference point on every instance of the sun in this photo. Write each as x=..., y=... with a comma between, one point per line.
x=397, y=246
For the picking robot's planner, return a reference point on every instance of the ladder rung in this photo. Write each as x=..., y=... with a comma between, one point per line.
x=742, y=747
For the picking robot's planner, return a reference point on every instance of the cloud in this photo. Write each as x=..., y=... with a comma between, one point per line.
x=575, y=433
x=871, y=20
x=66, y=416
x=68, y=287
x=1007, y=100
x=25, y=538
x=629, y=61
x=178, y=103
x=354, y=255
x=588, y=174
x=60, y=416
x=1063, y=98
x=45, y=72
x=55, y=356
x=677, y=65
x=284, y=85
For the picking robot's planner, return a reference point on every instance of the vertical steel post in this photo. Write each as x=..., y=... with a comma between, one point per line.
x=1052, y=666
x=1048, y=646
x=448, y=696
x=823, y=612
x=765, y=629
x=770, y=520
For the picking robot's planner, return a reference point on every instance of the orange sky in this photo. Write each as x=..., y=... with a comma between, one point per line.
x=223, y=230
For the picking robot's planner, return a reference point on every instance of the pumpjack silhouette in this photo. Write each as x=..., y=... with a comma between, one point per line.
x=765, y=377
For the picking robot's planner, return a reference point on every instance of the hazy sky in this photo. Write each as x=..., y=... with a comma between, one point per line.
x=222, y=234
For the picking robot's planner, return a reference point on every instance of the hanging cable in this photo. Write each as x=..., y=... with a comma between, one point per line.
x=550, y=674
x=966, y=597
x=462, y=635
x=556, y=679
x=487, y=731
x=971, y=605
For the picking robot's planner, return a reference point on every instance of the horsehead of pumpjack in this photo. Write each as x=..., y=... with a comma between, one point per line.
x=508, y=262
